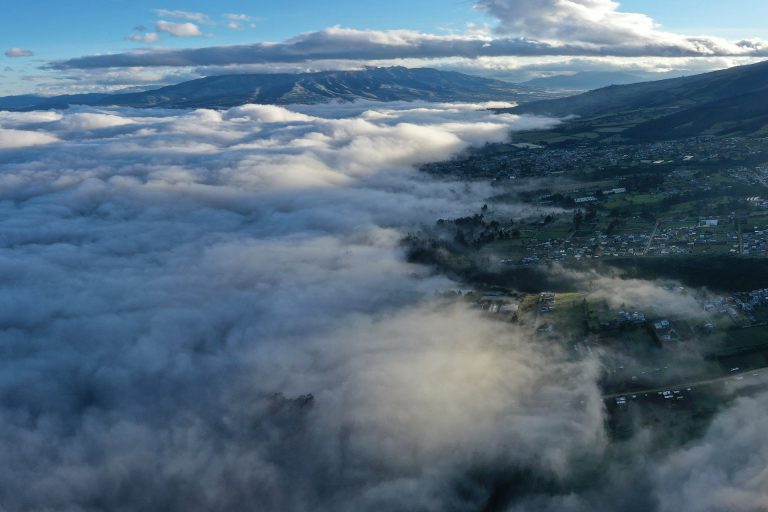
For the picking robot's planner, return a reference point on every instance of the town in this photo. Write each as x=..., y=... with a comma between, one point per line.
x=695, y=197
x=690, y=217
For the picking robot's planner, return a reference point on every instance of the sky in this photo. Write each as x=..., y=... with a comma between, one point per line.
x=738, y=19
x=512, y=39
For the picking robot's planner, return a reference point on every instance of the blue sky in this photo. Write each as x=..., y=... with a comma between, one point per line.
x=737, y=18
x=63, y=29
x=58, y=29
x=74, y=27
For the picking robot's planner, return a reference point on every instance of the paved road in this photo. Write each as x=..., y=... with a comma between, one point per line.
x=731, y=376
x=650, y=240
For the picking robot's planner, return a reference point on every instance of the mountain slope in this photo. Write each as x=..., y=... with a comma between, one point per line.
x=33, y=101
x=376, y=84
x=729, y=102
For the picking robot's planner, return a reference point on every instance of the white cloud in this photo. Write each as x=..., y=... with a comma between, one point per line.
x=590, y=21
x=726, y=470
x=521, y=69
x=13, y=139
x=183, y=15
x=92, y=121
x=28, y=119
x=239, y=21
x=178, y=29
x=265, y=114
x=18, y=52
x=238, y=17
x=173, y=281
x=600, y=23
x=145, y=37
x=339, y=43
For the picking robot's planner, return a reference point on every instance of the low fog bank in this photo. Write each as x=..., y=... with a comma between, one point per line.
x=212, y=310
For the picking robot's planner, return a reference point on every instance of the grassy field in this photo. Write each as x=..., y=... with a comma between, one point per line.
x=744, y=340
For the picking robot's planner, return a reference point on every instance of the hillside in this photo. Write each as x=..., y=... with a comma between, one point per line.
x=727, y=103
x=375, y=84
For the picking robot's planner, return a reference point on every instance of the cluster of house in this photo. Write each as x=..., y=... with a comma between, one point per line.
x=702, y=239
x=546, y=302
x=631, y=317
x=687, y=240
x=755, y=243
x=501, y=305
x=600, y=245
x=532, y=160
x=663, y=330
x=747, y=303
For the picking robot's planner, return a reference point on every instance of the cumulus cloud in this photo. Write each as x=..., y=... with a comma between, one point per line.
x=187, y=29
x=14, y=53
x=591, y=21
x=601, y=23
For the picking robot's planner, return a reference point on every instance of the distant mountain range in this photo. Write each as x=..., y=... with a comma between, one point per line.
x=589, y=80
x=731, y=102
x=376, y=84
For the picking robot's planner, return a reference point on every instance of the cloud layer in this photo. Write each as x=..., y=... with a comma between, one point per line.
x=211, y=310
x=176, y=284
x=348, y=44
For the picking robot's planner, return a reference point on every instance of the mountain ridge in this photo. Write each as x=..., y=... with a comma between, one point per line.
x=374, y=84
x=729, y=102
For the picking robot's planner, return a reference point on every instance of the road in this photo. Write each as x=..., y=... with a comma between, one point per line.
x=650, y=240
x=691, y=385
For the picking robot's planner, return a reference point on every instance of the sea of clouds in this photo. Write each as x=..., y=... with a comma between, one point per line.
x=211, y=310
